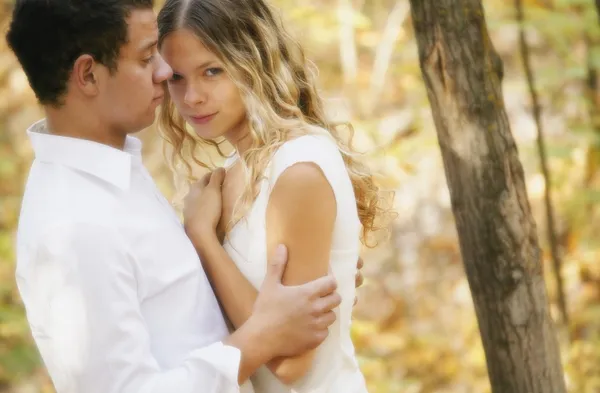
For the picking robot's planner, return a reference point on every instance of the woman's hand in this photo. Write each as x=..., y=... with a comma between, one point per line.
x=202, y=207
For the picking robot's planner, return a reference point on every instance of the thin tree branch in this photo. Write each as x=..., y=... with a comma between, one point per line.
x=385, y=49
x=348, y=57
x=556, y=260
x=593, y=105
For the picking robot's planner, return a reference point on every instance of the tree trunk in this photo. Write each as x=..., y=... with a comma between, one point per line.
x=496, y=230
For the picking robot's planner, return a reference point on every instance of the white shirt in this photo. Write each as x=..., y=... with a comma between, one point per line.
x=114, y=291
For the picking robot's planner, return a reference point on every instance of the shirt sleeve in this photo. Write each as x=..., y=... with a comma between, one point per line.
x=79, y=288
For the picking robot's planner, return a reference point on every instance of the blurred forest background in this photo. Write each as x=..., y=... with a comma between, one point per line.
x=415, y=328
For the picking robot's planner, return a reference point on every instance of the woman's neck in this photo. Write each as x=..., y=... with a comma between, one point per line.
x=240, y=139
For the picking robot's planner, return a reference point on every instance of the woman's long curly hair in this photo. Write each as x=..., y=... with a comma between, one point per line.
x=278, y=88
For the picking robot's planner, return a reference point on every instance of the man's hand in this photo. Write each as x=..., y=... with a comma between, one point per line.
x=358, y=279
x=294, y=319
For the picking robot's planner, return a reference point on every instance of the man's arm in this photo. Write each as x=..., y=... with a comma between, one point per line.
x=80, y=292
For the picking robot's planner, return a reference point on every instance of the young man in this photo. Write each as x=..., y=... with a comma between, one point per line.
x=114, y=291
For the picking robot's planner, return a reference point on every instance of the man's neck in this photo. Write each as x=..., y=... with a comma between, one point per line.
x=63, y=122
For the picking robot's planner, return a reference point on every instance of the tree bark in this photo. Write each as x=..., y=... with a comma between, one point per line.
x=496, y=230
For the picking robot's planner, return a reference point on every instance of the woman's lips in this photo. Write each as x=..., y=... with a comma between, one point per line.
x=202, y=119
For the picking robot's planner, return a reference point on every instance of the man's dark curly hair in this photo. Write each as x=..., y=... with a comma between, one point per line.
x=47, y=36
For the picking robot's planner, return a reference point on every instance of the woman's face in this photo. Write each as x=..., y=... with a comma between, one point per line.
x=201, y=89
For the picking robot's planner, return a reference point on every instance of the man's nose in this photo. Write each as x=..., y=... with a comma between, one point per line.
x=163, y=71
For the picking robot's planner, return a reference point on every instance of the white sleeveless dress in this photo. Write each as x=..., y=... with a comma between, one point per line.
x=334, y=369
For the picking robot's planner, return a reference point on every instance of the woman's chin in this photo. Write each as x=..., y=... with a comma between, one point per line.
x=204, y=132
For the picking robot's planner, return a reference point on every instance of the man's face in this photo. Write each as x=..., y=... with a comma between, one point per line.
x=131, y=95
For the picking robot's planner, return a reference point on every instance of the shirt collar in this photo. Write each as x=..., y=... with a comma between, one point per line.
x=105, y=162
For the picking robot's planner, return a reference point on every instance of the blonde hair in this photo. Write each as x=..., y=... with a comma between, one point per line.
x=278, y=87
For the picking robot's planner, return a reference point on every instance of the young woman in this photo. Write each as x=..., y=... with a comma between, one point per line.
x=238, y=75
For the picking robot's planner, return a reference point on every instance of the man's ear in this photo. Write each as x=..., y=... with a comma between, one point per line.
x=85, y=75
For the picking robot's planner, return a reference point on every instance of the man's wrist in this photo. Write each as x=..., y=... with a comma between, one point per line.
x=252, y=340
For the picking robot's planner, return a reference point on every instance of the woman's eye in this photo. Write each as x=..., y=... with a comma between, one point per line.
x=213, y=71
